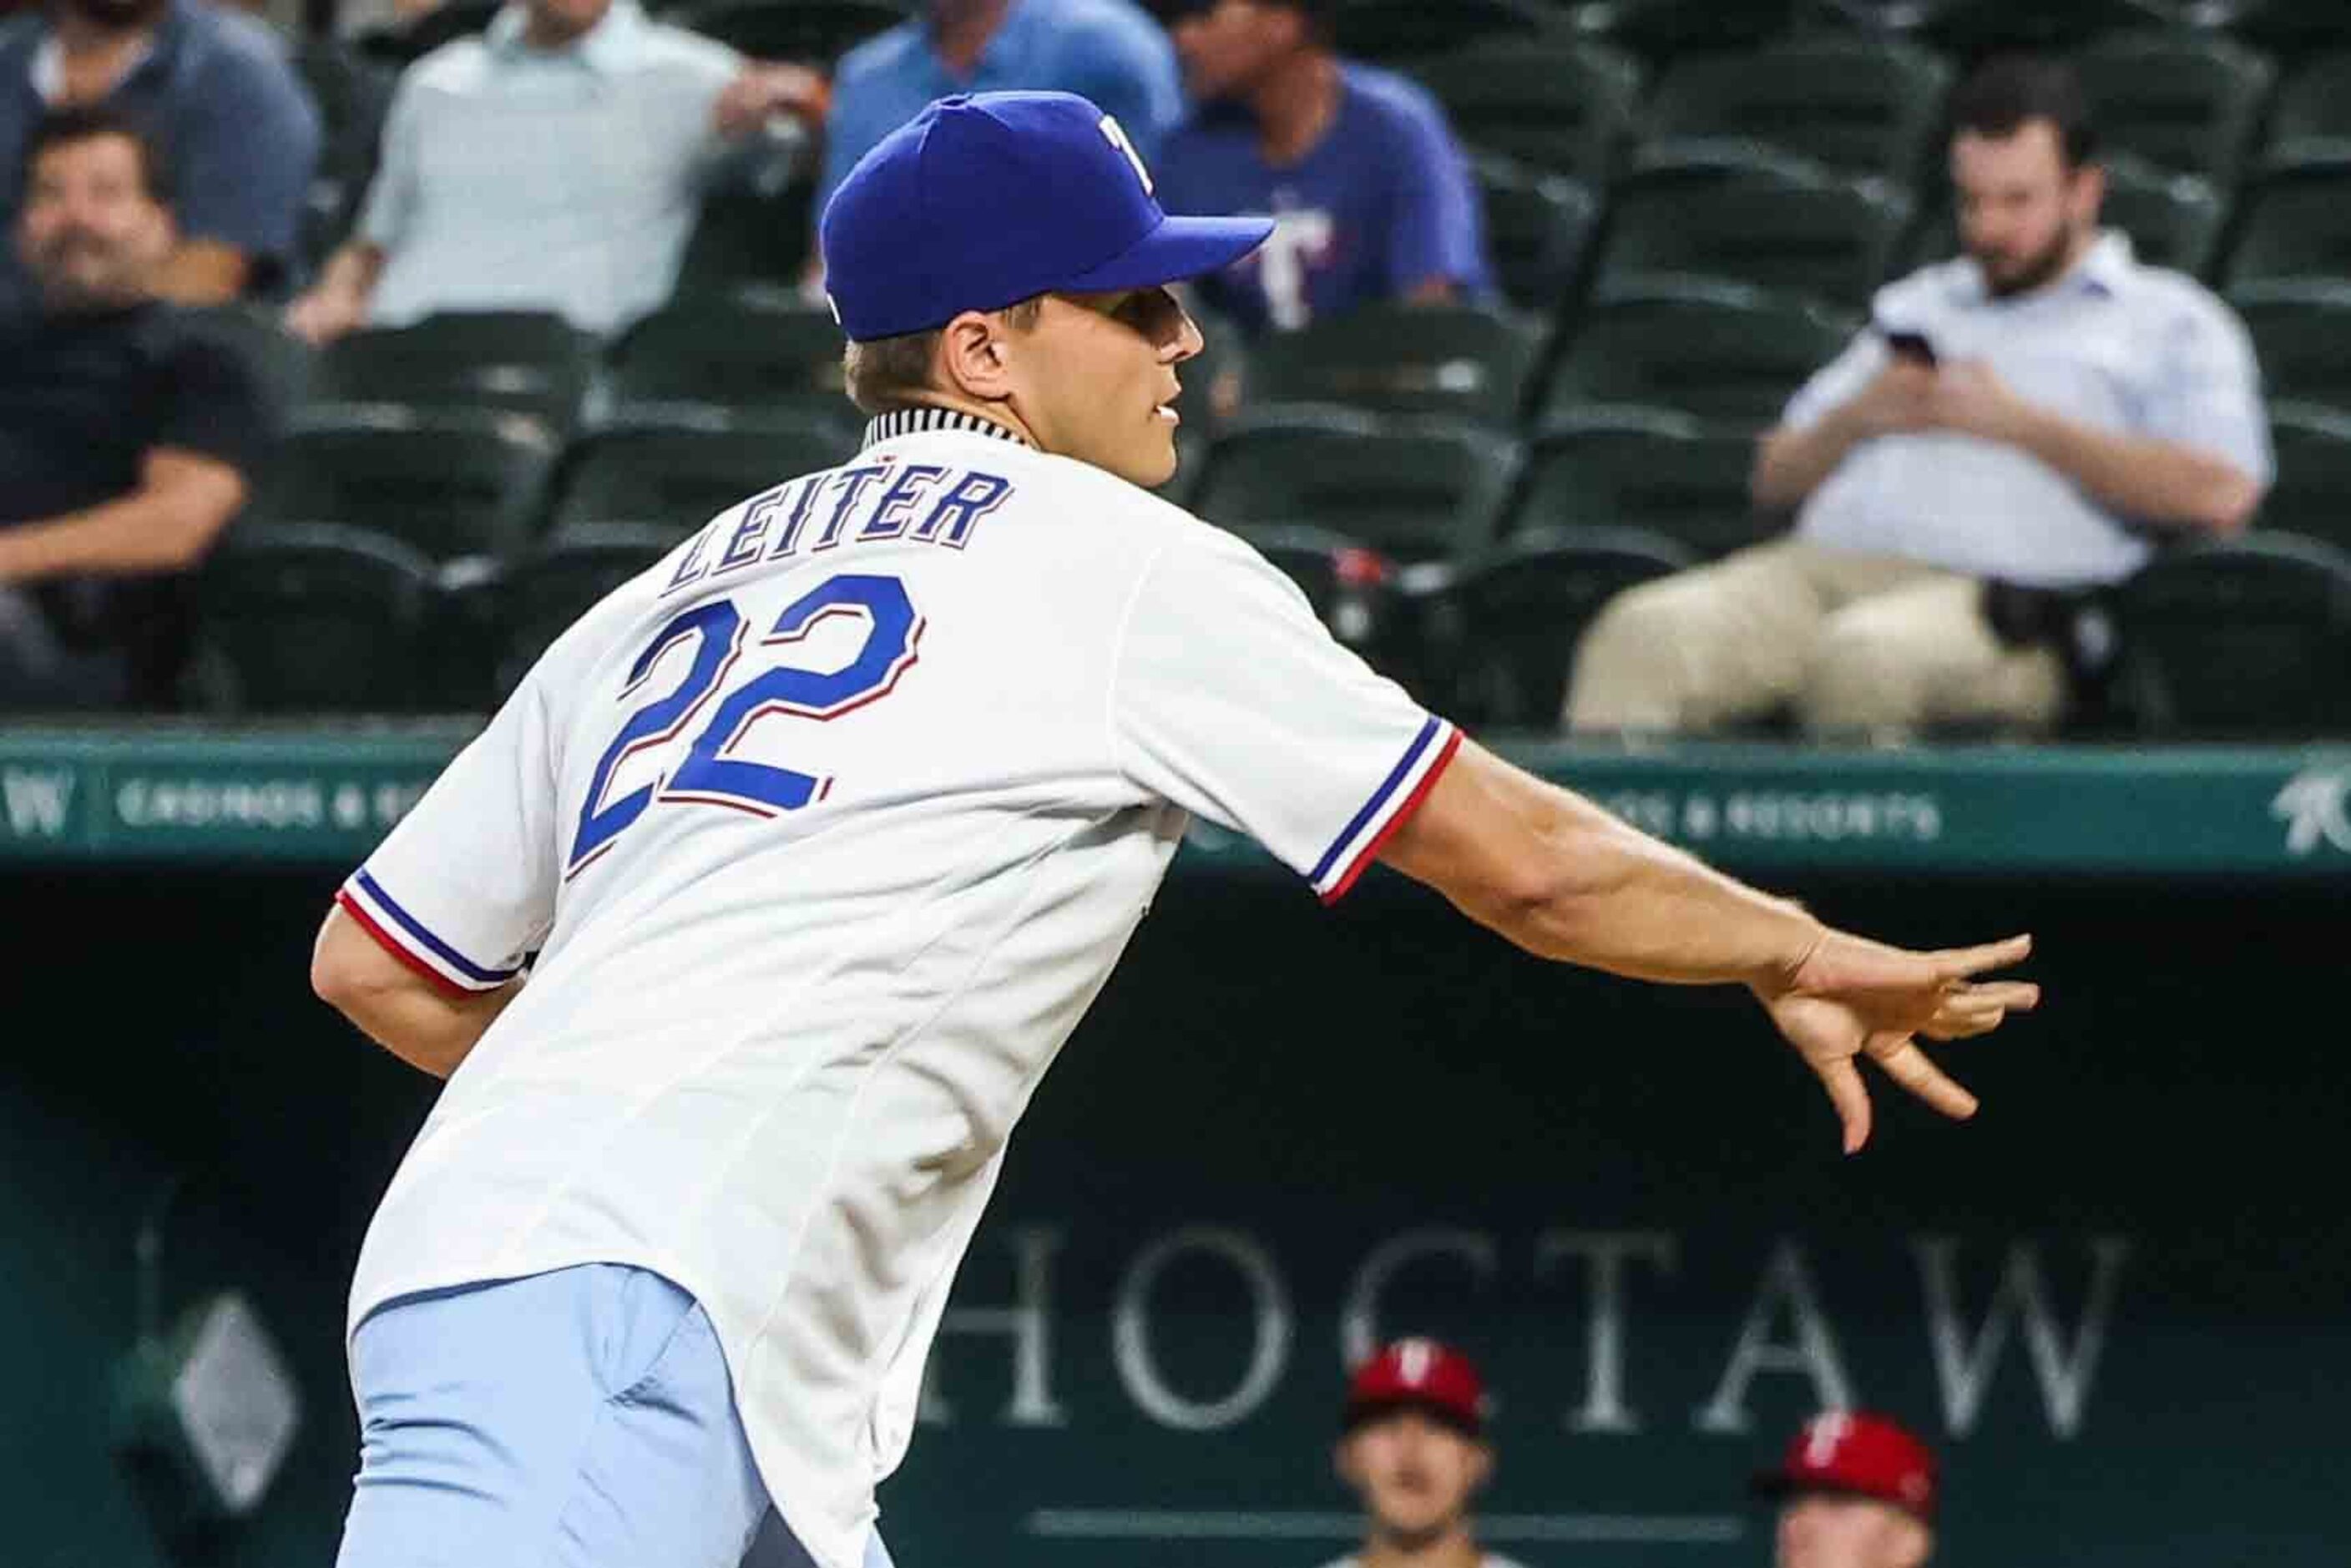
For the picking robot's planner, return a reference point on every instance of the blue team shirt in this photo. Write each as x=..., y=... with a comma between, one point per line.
x=1106, y=50
x=1383, y=203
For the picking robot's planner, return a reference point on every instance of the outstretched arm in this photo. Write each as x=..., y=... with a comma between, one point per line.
x=1567, y=881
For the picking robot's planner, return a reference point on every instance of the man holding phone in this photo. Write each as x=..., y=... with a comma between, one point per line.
x=2014, y=429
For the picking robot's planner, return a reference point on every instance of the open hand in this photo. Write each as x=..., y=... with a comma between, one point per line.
x=1850, y=997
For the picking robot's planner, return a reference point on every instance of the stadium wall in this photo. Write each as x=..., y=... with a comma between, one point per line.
x=2117, y=1302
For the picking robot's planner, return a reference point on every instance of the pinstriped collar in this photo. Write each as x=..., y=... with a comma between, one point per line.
x=909, y=421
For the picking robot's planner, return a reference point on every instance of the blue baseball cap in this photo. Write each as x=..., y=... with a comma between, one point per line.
x=987, y=199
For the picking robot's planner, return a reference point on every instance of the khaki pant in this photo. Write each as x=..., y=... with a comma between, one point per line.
x=1860, y=645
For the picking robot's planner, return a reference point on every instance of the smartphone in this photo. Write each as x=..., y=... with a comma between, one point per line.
x=1911, y=346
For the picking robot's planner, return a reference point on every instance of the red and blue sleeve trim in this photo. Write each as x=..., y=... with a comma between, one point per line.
x=410, y=940
x=1389, y=807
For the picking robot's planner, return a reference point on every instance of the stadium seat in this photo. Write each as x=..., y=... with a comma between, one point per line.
x=1672, y=475
x=1720, y=352
x=1855, y=106
x=2310, y=121
x=304, y=618
x=518, y=361
x=1538, y=228
x=557, y=581
x=2301, y=340
x=1658, y=30
x=2290, y=29
x=1414, y=489
x=812, y=32
x=2173, y=219
x=744, y=235
x=1748, y=217
x=2246, y=639
x=352, y=93
x=398, y=45
x=2294, y=221
x=1408, y=31
x=1505, y=629
x=1972, y=30
x=675, y=474
x=2312, y=496
x=446, y=483
x=749, y=353
x=258, y=334
x=1346, y=582
x=1564, y=106
x=1469, y=362
x=2183, y=102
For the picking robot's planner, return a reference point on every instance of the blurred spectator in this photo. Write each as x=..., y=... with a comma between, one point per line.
x=1855, y=1491
x=1371, y=197
x=127, y=439
x=1106, y=50
x=1414, y=1448
x=554, y=164
x=1959, y=492
x=212, y=86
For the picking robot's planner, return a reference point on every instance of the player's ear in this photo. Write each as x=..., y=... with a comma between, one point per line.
x=1344, y=1465
x=972, y=360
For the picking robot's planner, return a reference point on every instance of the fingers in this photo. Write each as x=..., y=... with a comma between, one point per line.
x=1971, y=1010
x=1851, y=1098
x=1908, y=1065
x=1961, y=963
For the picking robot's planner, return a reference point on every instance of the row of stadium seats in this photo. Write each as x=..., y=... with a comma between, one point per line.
x=2247, y=639
x=1719, y=353
x=1745, y=211
x=1874, y=108
x=819, y=31
x=456, y=483
x=1734, y=213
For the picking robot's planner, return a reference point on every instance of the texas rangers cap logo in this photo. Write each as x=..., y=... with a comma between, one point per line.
x=1111, y=129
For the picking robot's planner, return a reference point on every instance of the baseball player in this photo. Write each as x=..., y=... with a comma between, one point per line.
x=1855, y=1491
x=746, y=929
x=1414, y=1448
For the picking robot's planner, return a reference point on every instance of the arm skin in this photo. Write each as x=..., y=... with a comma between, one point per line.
x=1566, y=881
x=2140, y=477
x=426, y=1025
x=183, y=500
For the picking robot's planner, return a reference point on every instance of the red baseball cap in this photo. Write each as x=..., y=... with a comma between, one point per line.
x=1418, y=1374
x=1859, y=1454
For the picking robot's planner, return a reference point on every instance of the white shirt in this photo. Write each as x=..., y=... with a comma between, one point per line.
x=926, y=730
x=2133, y=350
x=565, y=180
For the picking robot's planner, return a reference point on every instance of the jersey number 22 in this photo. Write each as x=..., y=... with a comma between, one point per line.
x=708, y=774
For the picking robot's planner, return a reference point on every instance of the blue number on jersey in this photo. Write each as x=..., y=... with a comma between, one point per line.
x=709, y=776
x=718, y=627
x=893, y=627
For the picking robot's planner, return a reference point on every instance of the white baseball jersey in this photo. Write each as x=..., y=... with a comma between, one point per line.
x=825, y=831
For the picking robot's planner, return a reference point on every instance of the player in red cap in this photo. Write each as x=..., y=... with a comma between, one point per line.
x=1856, y=1491
x=1414, y=1448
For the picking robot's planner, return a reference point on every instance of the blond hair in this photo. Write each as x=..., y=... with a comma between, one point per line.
x=889, y=373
